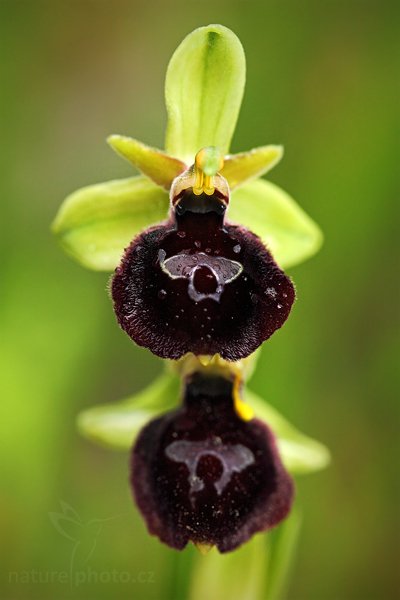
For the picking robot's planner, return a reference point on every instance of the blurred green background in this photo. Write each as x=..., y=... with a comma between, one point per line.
x=323, y=80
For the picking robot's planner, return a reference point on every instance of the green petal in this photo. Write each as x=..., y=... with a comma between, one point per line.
x=96, y=223
x=155, y=164
x=118, y=424
x=300, y=454
x=239, y=168
x=268, y=211
x=203, y=91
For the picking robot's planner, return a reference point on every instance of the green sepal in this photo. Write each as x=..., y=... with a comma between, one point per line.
x=300, y=454
x=118, y=424
x=242, y=167
x=269, y=212
x=155, y=164
x=95, y=224
x=203, y=91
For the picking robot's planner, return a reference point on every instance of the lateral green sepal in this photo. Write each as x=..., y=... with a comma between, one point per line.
x=118, y=424
x=300, y=454
x=269, y=212
x=95, y=224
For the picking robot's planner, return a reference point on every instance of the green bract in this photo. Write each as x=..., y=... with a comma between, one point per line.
x=204, y=89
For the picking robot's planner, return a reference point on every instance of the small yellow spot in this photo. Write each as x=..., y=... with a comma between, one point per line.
x=203, y=548
x=207, y=163
x=205, y=359
x=208, y=185
x=243, y=410
x=198, y=181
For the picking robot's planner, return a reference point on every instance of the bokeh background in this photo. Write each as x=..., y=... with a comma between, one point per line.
x=323, y=80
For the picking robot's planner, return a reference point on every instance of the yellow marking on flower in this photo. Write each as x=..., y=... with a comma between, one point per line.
x=205, y=359
x=208, y=185
x=243, y=410
x=198, y=181
x=203, y=548
x=208, y=162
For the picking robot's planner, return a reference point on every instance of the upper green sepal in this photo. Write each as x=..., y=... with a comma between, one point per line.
x=203, y=91
x=269, y=212
x=95, y=224
x=155, y=164
x=239, y=168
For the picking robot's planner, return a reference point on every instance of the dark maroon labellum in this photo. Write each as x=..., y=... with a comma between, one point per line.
x=202, y=474
x=197, y=284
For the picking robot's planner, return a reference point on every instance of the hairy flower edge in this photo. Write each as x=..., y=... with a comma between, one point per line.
x=203, y=474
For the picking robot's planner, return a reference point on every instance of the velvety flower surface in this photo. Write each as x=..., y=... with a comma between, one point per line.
x=197, y=284
x=202, y=474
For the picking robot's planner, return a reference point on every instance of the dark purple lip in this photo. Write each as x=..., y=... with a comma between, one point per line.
x=198, y=284
x=202, y=474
